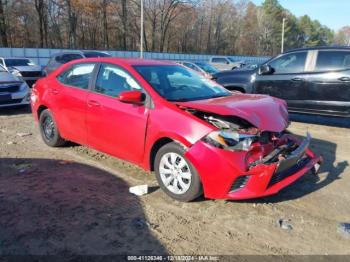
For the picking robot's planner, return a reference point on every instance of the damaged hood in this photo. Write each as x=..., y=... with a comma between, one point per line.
x=264, y=112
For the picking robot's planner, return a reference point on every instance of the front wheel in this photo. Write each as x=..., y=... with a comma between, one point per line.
x=176, y=176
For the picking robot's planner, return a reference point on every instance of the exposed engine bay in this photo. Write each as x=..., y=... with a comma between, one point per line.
x=236, y=134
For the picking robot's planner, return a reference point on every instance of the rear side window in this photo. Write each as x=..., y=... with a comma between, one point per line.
x=77, y=76
x=332, y=60
x=289, y=63
x=219, y=60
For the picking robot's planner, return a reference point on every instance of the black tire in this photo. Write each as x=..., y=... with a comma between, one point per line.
x=195, y=189
x=51, y=136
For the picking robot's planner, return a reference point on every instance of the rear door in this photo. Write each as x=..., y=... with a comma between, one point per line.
x=328, y=86
x=70, y=101
x=115, y=127
x=287, y=80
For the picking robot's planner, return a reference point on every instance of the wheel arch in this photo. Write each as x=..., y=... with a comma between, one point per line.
x=40, y=109
x=159, y=143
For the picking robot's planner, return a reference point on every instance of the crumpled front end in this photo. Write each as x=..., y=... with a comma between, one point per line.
x=272, y=162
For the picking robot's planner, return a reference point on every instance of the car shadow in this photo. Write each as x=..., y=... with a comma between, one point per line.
x=15, y=110
x=309, y=183
x=320, y=120
x=69, y=209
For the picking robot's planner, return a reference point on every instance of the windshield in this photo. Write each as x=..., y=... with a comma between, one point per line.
x=2, y=69
x=18, y=62
x=95, y=54
x=177, y=83
x=207, y=68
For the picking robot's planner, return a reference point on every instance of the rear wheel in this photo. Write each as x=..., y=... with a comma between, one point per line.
x=176, y=175
x=49, y=131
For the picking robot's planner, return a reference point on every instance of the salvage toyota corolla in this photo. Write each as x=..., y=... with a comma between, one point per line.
x=196, y=136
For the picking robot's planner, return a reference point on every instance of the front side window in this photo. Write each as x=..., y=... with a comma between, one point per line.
x=112, y=80
x=289, y=63
x=177, y=83
x=77, y=76
x=332, y=60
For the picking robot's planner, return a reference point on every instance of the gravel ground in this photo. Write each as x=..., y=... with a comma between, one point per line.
x=74, y=200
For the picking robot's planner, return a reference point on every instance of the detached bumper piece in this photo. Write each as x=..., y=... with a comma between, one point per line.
x=280, y=175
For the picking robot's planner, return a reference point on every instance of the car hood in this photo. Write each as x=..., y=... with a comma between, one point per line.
x=264, y=112
x=6, y=77
x=33, y=68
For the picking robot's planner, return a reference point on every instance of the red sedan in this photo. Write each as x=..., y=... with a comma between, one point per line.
x=196, y=136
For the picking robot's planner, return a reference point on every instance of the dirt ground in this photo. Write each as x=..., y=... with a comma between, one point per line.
x=74, y=200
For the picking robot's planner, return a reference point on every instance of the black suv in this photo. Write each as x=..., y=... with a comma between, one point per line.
x=311, y=80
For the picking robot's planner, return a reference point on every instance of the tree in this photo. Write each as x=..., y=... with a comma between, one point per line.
x=342, y=37
x=3, y=27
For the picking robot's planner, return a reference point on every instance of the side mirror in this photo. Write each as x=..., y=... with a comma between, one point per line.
x=227, y=62
x=132, y=97
x=265, y=70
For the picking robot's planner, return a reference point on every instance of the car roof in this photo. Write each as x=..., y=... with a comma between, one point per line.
x=67, y=52
x=126, y=61
x=319, y=48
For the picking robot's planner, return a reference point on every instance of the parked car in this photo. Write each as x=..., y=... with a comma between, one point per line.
x=61, y=58
x=14, y=90
x=197, y=137
x=201, y=67
x=311, y=80
x=24, y=67
x=225, y=63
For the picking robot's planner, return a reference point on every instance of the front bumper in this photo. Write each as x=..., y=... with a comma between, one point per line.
x=15, y=99
x=220, y=170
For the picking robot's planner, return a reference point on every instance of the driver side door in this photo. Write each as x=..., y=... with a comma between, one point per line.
x=287, y=80
x=115, y=127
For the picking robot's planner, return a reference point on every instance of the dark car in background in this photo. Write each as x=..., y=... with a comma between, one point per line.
x=61, y=58
x=22, y=67
x=311, y=80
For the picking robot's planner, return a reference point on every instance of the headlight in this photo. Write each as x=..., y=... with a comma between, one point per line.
x=230, y=140
x=17, y=73
x=23, y=86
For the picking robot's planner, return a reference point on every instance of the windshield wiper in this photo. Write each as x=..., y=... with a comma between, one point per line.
x=180, y=99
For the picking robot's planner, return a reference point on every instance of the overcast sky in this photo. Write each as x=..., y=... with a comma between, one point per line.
x=332, y=13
